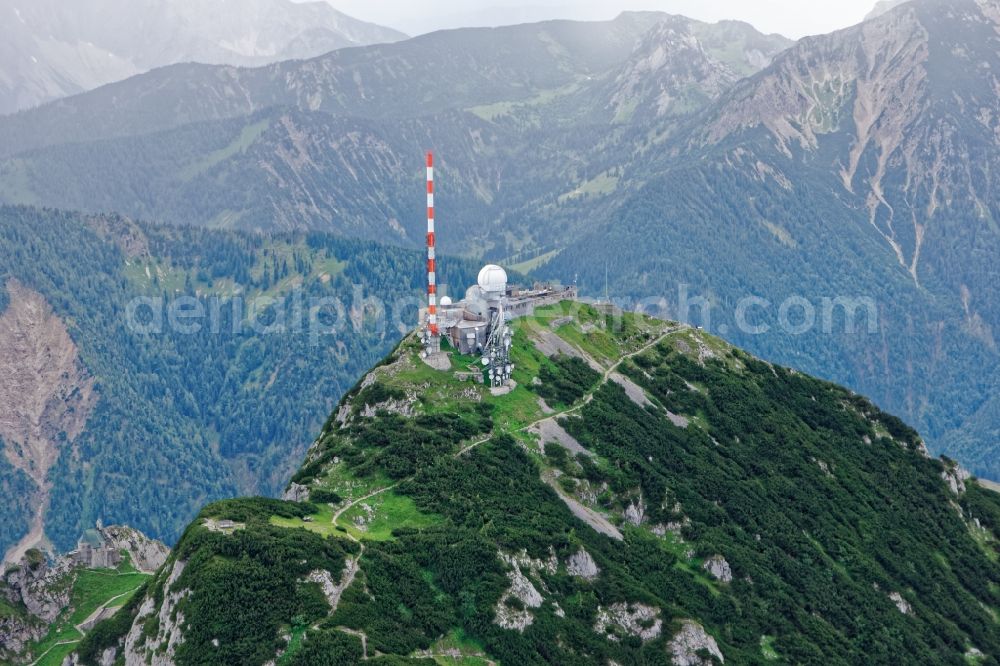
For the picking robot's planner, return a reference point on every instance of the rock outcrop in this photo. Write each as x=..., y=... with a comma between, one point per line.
x=632, y=619
x=36, y=592
x=955, y=476
x=719, y=568
x=581, y=564
x=635, y=512
x=296, y=493
x=158, y=650
x=147, y=555
x=16, y=631
x=41, y=587
x=513, y=611
x=690, y=643
x=902, y=604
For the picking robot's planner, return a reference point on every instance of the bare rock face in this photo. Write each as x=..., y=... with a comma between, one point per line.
x=902, y=604
x=956, y=477
x=400, y=407
x=513, y=611
x=296, y=493
x=669, y=71
x=40, y=586
x=158, y=650
x=635, y=512
x=16, y=633
x=46, y=396
x=719, y=568
x=636, y=619
x=581, y=564
x=38, y=591
x=686, y=645
x=147, y=554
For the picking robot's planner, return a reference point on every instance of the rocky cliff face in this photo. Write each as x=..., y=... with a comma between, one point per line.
x=32, y=594
x=147, y=555
x=670, y=74
x=42, y=587
x=45, y=399
x=40, y=591
x=907, y=102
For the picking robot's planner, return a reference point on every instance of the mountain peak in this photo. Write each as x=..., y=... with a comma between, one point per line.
x=640, y=481
x=883, y=6
x=680, y=65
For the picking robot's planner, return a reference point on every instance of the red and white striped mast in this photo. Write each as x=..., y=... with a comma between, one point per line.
x=433, y=336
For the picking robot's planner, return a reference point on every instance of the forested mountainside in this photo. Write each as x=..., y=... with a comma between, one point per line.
x=645, y=494
x=854, y=166
x=857, y=165
x=139, y=412
x=52, y=49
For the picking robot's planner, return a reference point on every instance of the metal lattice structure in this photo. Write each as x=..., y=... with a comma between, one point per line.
x=496, y=354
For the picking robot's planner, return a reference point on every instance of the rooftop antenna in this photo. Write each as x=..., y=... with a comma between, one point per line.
x=433, y=339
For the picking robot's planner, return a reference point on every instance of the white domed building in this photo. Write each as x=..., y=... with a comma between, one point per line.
x=478, y=324
x=493, y=282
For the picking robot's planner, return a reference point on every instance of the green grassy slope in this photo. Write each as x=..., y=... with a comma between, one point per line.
x=92, y=590
x=841, y=541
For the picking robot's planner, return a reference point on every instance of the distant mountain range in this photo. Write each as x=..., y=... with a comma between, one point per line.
x=51, y=49
x=324, y=141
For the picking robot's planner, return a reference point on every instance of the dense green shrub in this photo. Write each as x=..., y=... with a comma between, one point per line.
x=566, y=380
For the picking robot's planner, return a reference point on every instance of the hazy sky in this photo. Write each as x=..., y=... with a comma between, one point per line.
x=793, y=18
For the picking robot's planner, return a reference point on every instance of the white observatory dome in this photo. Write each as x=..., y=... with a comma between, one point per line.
x=445, y=301
x=493, y=279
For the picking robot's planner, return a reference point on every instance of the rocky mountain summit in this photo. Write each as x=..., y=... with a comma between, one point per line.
x=643, y=492
x=883, y=6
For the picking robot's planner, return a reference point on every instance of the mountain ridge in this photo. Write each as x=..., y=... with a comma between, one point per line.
x=652, y=517
x=54, y=50
x=519, y=60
